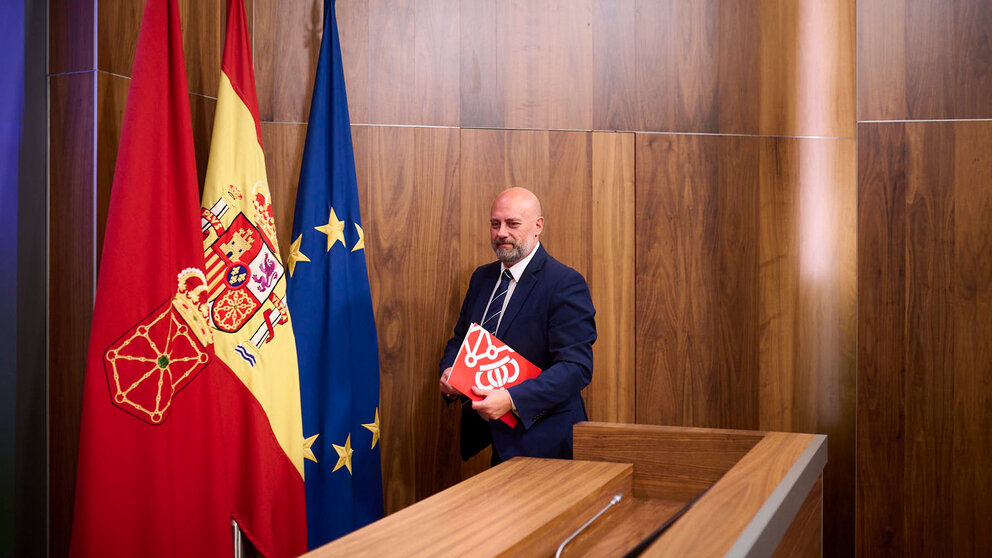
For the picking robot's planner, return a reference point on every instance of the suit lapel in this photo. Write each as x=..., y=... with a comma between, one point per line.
x=487, y=284
x=523, y=289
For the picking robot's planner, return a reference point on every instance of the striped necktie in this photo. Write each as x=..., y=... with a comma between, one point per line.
x=491, y=320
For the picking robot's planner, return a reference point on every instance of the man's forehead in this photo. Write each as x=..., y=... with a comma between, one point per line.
x=509, y=206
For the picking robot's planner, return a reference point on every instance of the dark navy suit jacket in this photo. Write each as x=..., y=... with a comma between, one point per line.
x=549, y=320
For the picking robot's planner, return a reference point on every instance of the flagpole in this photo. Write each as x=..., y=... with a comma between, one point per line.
x=239, y=549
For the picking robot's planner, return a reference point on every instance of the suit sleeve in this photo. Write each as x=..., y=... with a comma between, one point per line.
x=571, y=333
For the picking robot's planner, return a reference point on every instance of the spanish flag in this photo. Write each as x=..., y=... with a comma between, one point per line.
x=246, y=283
x=173, y=444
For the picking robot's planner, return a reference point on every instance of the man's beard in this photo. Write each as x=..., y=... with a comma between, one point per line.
x=509, y=256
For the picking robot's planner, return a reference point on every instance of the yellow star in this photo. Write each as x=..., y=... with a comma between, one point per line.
x=344, y=455
x=360, y=245
x=334, y=229
x=374, y=428
x=295, y=255
x=307, y=452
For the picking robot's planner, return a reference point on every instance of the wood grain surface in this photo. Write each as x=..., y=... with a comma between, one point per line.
x=413, y=62
x=72, y=274
x=674, y=463
x=286, y=47
x=411, y=230
x=70, y=36
x=621, y=528
x=203, y=24
x=746, y=292
x=353, y=32
x=697, y=280
x=610, y=396
x=808, y=293
x=530, y=505
x=971, y=457
x=923, y=59
x=734, y=500
x=805, y=535
x=925, y=270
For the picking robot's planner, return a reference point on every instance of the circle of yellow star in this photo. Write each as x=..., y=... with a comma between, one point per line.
x=344, y=455
x=334, y=229
x=374, y=428
x=307, y=452
x=295, y=255
x=360, y=245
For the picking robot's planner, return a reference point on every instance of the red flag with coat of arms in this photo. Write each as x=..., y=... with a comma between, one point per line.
x=173, y=446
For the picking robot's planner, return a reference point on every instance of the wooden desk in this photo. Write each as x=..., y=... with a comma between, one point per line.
x=764, y=499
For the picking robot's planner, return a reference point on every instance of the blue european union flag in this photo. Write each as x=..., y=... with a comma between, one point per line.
x=331, y=309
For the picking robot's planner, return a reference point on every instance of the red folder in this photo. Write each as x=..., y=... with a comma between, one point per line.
x=487, y=363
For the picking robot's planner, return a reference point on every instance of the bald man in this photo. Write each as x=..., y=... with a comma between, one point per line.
x=543, y=311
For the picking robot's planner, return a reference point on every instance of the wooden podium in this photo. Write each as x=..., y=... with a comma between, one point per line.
x=764, y=498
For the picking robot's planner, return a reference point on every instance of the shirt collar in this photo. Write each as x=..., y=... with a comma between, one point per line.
x=517, y=269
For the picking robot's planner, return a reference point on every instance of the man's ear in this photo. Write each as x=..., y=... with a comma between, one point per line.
x=539, y=224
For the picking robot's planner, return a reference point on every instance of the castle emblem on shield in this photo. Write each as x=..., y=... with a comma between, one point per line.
x=243, y=269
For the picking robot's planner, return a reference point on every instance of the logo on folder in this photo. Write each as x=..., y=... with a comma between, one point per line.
x=485, y=362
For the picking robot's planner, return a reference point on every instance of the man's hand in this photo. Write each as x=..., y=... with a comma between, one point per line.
x=446, y=388
x=497, y=403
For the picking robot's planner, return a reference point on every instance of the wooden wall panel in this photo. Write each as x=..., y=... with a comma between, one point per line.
x=930, y=344
x=610, y=396
x=881, y=342
x=759, y=66
x=807, y=68
x=614, y=80
x=971, y=450
x=526, y=64
x=413, y=58
x=676, y=45
x=353, y=32
x=70, y=36
x=117, y=34
x=481, y=87
x=745, y=293
x=547, y=55
x=923, y=339
x=923, y=59
x=412, y=230
x=807, y=339
x=72, y=276
x=392, y=61
x=696, y=280
x=203, y=24
x=286, y=47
